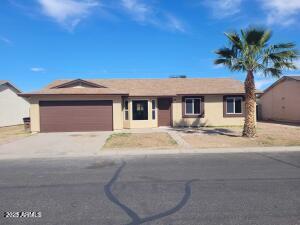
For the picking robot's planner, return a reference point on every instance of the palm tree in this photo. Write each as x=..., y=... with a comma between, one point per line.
x=250, y=52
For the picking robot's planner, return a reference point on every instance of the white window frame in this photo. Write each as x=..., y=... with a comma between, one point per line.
x=193, y=102
x=234, y=100
x=126, y=110
x=153, y=110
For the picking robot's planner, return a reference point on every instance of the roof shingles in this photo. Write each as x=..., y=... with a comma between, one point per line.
x=151, y=87
x=3, y=82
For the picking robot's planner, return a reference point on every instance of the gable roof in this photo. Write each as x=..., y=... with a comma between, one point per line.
x=6, y=82
x=296, y=78
x=3, y=82
x=149, y=87
x=79, y=82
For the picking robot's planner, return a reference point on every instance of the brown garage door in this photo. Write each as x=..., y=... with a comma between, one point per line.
x=67, y=116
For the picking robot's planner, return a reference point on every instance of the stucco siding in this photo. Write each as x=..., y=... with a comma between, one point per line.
x=213, y=106
x=13, y=107
x=282, y=102
x=35, y=109
x=213, y=113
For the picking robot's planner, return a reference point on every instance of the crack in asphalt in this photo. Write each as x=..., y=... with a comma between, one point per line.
x=279, y=160
x=135, y=218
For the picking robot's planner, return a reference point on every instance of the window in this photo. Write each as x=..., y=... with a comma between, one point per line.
x=126, y=109
x=140, y=110
x=234, y=105
x=192, y=106
x=153, y=110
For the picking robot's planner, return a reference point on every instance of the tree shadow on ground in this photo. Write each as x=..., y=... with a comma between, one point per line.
x=135, y=218
x=221, y=131
x=208, y=131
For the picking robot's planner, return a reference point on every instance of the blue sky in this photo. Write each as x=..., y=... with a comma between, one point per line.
x=44, y=40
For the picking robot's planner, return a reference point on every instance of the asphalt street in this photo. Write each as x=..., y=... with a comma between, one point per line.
x=235, y=189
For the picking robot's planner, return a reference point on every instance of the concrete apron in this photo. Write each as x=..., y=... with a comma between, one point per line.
x=55, y=145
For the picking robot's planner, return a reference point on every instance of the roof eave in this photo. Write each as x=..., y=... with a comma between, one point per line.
x=43, y=94
x=225, y=93
x=12, y=86
x=275, y=84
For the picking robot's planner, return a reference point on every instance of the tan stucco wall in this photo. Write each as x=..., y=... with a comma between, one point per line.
x=282, y=102
x=13, y=108
x=141, y=123
x=35, y=110
x=213, y=116
x=213, y=112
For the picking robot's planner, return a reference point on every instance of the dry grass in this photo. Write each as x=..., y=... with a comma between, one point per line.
x=140, y=140
x=268, y=134
x=8, y=134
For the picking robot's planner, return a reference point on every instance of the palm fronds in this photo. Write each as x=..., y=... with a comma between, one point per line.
x=250, y=51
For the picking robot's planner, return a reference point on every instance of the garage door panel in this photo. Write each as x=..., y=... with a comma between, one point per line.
x=76, y=103
x=67, y=116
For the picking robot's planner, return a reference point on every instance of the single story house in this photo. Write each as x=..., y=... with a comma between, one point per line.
x=112, y=104
x=281, y=101
x=13, y=108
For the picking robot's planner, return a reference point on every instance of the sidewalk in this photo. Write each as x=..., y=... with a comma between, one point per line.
x=144, y=152
x=120, y=152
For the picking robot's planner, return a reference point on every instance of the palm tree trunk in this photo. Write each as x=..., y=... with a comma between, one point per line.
x=250, y=106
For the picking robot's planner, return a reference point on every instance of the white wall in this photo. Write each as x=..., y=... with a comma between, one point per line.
x=13, y=108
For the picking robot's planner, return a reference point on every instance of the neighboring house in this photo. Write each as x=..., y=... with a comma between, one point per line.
x=112, y=104
x=13, y=108
x=281, y=101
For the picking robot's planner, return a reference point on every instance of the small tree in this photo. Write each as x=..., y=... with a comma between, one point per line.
x=251, y=52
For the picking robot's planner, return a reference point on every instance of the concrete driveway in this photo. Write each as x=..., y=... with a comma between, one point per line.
x=55, y=145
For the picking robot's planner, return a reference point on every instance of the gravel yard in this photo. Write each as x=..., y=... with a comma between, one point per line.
x=268, y=134
x=140, y=140
x=12, y=133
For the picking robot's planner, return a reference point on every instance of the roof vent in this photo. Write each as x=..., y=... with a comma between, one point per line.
x=178, y=76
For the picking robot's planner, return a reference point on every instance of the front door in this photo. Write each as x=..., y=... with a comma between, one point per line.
x=164, y=111
x=140, y=110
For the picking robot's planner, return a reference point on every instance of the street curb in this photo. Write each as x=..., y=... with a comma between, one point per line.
x=120, y=152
